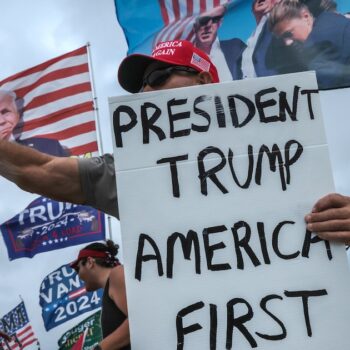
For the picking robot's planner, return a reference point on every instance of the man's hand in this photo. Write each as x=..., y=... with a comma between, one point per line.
x=330, y=218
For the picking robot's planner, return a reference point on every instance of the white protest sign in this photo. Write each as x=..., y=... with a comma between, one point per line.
x=214, y=182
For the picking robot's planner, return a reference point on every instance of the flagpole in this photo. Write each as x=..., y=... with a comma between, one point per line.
x=97, y=121
x=109, y=219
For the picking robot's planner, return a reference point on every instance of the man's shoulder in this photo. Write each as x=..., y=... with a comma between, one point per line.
x=331, y=28
x=331, y=20
x=232, y=48
x=104, y=161
x=117, y=275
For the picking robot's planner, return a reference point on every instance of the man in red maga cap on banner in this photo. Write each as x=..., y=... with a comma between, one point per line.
x=92, y=181
x=98, y=266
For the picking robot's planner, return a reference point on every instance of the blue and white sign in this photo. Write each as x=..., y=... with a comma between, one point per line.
x=48, y=225
x=63, y=297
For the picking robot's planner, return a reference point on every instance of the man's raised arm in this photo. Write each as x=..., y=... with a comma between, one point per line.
x=33, y=171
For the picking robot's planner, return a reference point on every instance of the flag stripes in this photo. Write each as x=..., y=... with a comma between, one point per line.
x=53, y=64
x=47, y=87
x=56, y=128
x=85, y=148
x=77, y=293
x=16, y=324
x=66, y=103
x=58, y=116
x=57, y=101
x=58, y=74
x=25, y=338
x=179, y=16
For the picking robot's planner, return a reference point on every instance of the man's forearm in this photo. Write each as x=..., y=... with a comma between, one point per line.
x=15, y=159
x=37, y=172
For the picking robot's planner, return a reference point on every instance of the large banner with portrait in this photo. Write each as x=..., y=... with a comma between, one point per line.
x=249, y=38
x=50, y=107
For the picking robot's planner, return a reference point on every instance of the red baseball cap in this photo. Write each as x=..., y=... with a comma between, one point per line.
x=84, y=253
x=176, y=52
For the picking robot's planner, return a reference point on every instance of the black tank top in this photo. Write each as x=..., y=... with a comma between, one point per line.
x=112, y=317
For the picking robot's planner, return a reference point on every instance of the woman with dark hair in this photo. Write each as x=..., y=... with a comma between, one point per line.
x=322, y=42
x=98, y=266
x=316, y=7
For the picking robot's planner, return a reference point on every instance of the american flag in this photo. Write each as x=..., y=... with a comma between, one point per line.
x=179, y=16
x=57, y=102
x=16, y=324
x=200, y=62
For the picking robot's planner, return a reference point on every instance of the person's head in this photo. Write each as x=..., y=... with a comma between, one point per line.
x=206, y=27
x=172, y=64
x=261, y=8
x=9, y=115
x=94, y=263
x=291, y=21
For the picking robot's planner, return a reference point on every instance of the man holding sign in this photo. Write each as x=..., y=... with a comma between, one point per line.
x=92, y=181
x=221, y=176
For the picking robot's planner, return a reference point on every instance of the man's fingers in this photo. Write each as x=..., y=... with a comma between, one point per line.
x=329, y=214
x=339, y=236
x=333, y=200
x=329, y=226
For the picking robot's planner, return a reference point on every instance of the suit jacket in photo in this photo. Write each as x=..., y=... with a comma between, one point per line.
x=45, y=145
x=232, y=50
x=327, y=50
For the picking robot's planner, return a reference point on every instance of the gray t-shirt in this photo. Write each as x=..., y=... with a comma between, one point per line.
x=97, y=177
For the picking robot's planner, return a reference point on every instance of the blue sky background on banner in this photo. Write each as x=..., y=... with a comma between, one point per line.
x=141, y=26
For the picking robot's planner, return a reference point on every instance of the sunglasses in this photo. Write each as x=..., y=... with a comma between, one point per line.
x=160, y=76
x=203, y=21
x=78, y=266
